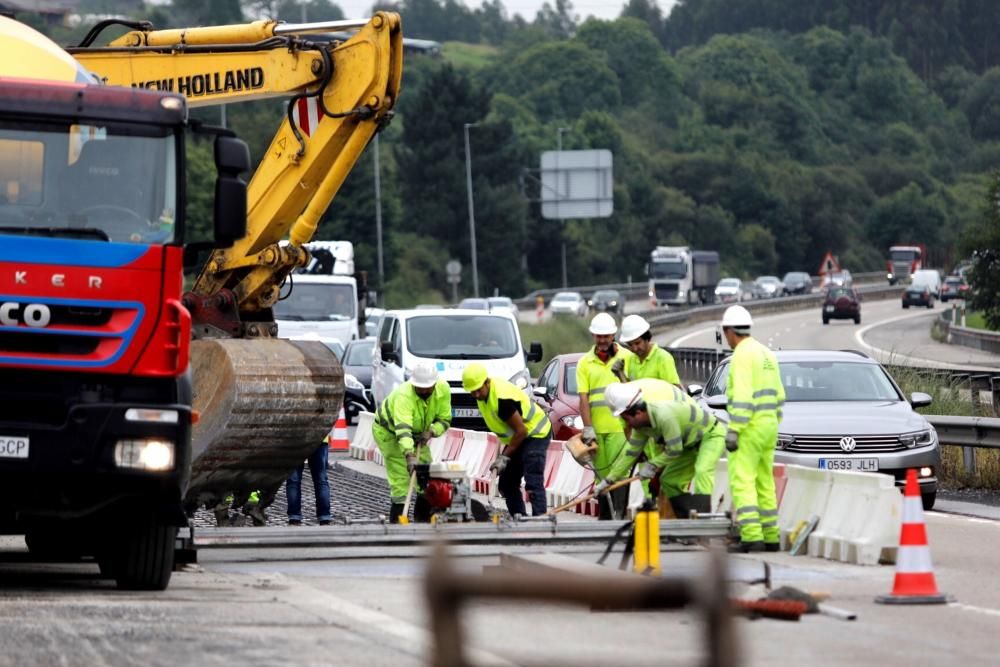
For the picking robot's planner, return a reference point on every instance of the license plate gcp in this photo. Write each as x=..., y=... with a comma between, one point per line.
x=465, y=412
x=860, y=465
x=13, y=447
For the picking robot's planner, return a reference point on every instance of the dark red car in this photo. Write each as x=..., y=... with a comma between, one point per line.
x=954, y=287
x=841, y=303
x=555, y=391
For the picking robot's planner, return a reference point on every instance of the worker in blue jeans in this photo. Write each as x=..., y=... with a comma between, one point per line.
x=293, y=488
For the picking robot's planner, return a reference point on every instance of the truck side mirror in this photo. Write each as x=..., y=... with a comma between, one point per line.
x=534, y=352
x=388, y=352
x=232, y=158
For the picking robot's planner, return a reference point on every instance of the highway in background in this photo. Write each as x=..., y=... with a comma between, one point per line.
x=887, y=332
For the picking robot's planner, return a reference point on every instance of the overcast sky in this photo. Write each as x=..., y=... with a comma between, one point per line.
x=606, y=9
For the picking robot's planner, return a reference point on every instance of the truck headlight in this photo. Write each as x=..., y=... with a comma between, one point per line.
x=521, y=379
x=572, y=421
x=145, y=454
x=681, y=294
x=353, y=382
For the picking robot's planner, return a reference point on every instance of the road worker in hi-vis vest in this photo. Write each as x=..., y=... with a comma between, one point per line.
x=524, y=431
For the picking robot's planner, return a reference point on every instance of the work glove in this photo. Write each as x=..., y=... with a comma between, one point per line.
x=500, y=464
x=425, y=437
x=411, y=462
x=618, y=367
x=589, y=435
x=647, y=470
x=732, y=441
x=602, y=486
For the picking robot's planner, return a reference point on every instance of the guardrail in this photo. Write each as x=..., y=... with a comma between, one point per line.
x=978, y=339
x=969, y=433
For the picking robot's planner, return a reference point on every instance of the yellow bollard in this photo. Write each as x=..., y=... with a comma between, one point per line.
x=640, y=549
x=653, y=539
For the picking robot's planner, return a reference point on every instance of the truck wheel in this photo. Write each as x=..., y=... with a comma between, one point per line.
x=146, y=558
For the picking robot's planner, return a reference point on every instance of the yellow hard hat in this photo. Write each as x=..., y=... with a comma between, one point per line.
x=473, y=377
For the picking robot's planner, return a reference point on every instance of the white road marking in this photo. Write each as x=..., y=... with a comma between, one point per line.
x=677, y=342
x=894, y=355
x=978, y=610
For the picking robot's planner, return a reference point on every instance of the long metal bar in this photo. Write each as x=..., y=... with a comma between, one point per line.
x=319, y=26
x=369, y=535
x=958, y=431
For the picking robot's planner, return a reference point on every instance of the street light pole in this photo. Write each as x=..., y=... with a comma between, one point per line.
x=472, y=214
x=565, y=281
x=378, y=221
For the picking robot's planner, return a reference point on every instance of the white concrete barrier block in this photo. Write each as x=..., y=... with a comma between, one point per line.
x=862, y=519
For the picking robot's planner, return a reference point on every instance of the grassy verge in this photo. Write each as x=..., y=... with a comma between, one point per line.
x=975, y=320
x=472, y=56
x=952, y=399
x=560, y=335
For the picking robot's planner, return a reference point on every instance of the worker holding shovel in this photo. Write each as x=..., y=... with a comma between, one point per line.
x=679, y=436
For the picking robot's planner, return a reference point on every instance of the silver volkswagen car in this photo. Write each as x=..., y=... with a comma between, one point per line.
x=843, y=411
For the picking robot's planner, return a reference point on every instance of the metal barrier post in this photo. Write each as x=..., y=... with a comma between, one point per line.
x=969, y=460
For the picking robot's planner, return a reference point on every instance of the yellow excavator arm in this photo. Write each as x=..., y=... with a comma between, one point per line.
x=265, y=403
x=340, y=93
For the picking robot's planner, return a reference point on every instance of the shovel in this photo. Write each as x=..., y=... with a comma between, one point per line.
x=573, y=503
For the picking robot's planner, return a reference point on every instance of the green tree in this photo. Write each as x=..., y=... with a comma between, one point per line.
x=982, y=242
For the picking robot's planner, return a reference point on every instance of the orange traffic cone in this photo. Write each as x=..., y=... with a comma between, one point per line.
x=338, y=437
x=915, y=582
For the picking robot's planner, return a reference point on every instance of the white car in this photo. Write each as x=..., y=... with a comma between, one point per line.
x=729, y=290
x=568, y=303
x=502, y=303
x=451, y=339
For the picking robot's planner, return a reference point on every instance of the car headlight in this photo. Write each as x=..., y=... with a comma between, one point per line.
x=918, y=439
x=521, y=379
x=353, y=382
x=614, y=303
x=572, y=421
x=785, y=441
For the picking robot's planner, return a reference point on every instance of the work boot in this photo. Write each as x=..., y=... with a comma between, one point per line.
x=256, y=514
x=395, y=511
x=294, y=522
x=772, y=546
x=701, y=503
x=325, y=522
x=746, y=547
x=221, y=512
x=422, y=510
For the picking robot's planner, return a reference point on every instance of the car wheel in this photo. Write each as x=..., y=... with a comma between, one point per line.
x=928, y=499
x=906, y=306
x=826, y=320
x=857, y=319
x=930, y=303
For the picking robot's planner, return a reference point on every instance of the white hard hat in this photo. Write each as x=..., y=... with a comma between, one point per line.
x=603, y=325
x=633, y=326
x=737, y=317
x=424, y=376
x=621, y=397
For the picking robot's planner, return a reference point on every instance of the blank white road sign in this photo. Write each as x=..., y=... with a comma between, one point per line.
x=577, y=184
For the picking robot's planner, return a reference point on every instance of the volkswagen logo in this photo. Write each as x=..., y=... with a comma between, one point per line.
x=848, y=444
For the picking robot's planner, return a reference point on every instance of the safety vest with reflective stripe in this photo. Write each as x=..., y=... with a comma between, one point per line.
x=592, y=377
x=658, y=364
x=753, y=388
x=405, y=415
x=674, y=426
x=533, y=416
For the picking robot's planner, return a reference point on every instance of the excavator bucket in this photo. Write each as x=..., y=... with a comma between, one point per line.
x=265, y=405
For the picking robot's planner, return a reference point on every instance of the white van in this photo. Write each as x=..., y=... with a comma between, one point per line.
x=451, y=339
x=928, y=278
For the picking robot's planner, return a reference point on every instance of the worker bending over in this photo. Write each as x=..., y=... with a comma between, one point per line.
x=416, y=411
x=648, y=359
x=524, y=431
x=754, y=398
x=593, y=375
x=679, y=437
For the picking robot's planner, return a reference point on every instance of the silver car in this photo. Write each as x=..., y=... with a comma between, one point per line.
x=843, y=411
